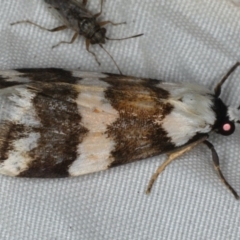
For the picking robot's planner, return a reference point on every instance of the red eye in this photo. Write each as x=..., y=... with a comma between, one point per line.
x=227, y=128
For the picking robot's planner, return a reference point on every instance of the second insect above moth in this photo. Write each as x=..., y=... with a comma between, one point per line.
x=77, y=17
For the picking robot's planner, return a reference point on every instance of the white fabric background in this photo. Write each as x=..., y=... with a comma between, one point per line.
x=185, y=40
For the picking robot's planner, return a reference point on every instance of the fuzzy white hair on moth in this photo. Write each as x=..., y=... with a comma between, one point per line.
x=63, y=123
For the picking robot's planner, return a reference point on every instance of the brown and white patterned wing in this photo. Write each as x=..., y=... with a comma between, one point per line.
x=59, y=123
x=51, y=128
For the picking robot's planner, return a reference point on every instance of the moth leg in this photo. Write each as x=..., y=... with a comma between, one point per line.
x=215, y=159
x=172, y=156
x=110, y=22
x=87, y=47
x=74, y=37
x=97, y=14
x=56, y=29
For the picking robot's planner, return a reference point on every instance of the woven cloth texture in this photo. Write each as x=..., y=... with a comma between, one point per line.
x=184, y=40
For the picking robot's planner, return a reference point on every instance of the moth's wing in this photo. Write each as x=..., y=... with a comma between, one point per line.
x=16, y=77
x=192, y=111
x=40, y=129
x=68, y=123
x=51, y=128
x=131, y=118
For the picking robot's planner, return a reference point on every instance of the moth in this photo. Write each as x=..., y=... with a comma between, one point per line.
x=63, y=123
x=77, y=17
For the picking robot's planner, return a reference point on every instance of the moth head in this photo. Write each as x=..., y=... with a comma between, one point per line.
x=99, y=36
x=226, y=116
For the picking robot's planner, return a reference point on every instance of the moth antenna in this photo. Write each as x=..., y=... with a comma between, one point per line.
x=111, y=58
x=218, y=89
x=113, y=39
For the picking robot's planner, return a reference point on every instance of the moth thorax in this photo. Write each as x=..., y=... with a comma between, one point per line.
x=225, y=118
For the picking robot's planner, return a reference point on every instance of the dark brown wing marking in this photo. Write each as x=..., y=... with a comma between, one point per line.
x=136, y=133
x=60, y=134
x=10, y=132
x=49, y=75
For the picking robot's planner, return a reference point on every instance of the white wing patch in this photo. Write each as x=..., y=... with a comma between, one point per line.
x=16, y=106
x=233, y=114
x=18, y=158
x=13, y=76
x=191, y=114
x=97, y=114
